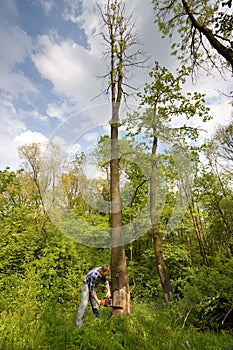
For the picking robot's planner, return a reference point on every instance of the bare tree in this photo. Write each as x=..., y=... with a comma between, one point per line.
x=123, y=53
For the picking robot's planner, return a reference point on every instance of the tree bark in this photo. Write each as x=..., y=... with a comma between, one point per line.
x=161, y=265
x=120, y=39
x=120, y=284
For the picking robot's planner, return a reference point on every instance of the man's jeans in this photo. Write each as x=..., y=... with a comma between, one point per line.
x=84, y=301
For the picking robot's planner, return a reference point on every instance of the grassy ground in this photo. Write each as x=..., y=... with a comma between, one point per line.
x=146, y=328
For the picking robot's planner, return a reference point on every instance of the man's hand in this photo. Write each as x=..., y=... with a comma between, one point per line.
x=108, y=295
x=94, y=295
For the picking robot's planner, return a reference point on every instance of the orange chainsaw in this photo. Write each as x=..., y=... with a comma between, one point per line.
x=107, y=302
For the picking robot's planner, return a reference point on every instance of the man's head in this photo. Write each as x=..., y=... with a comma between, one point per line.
x=105, y=271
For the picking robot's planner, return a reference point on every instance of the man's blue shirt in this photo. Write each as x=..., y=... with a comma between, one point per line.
x=94, y=277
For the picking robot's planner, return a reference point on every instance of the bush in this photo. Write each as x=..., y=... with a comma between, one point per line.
x=208, y=298
x=51, y=327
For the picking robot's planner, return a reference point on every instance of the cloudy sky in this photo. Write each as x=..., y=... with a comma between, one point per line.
x=50, y=60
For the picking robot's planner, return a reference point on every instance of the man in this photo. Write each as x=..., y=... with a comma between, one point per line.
x=92, y=279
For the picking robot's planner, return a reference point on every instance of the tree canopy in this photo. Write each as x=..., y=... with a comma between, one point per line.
x=202, y=31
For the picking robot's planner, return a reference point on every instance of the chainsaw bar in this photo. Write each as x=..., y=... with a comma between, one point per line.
x=116, y=307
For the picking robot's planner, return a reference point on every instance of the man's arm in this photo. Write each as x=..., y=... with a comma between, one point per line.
x=92, y=290
x=108, y=290
x=94, y=296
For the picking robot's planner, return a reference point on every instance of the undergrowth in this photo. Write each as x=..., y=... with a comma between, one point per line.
x=53, y=328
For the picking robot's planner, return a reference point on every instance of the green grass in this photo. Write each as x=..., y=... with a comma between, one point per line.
x=146, y=328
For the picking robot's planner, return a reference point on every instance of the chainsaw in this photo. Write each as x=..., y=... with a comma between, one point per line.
x=107, y=302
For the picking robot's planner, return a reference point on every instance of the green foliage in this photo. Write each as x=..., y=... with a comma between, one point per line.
x=166, y=99
x=52, y=327
x=42, y=270
x=224, y=23
x=208, y=297
x=187, y=23
x=144, y=281
x=179, y=265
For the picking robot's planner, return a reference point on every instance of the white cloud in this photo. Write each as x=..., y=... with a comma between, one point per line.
x=15, y=45
x=76, y=148
x=88, y=19
x=72, y=10
x=61, y=109
x=47, y=5
x=10, y=123
x=10, y=126
x=215, y=90
x=13, y=134
x=71, y=68
x=28, y=137
x=25, y=138
x=91, y=136
x=74, y=70
x=38, y=116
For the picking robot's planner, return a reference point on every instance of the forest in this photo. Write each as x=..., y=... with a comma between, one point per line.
x=158, y=210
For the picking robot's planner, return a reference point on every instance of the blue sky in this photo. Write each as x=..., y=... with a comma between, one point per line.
x=49, y=62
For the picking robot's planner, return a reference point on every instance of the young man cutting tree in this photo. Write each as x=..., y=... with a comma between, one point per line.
x=91, y=281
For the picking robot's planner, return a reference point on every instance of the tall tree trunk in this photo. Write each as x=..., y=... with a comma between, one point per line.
x=161, y=265
x=120, y=40
x=120, y=284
